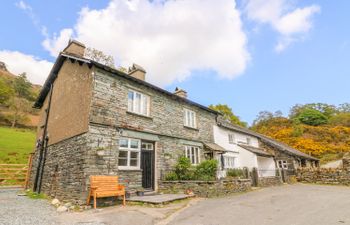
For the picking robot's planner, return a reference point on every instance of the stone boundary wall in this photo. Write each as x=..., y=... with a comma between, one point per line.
x=269, y=181
x=206, y=188
x=324, y=176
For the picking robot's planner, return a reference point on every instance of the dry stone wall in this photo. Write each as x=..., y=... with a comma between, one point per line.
x=324, y=176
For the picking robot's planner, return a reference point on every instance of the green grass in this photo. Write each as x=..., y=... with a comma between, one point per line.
x=34, y=195
x=15, y=145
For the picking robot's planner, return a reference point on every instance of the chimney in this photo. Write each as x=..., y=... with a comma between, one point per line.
x=137, y=72
x=180, y=92
x=75, y=48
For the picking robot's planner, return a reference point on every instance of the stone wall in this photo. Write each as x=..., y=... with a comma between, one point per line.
x=206, y=188
x=269, y=181
x=110, y=103
x=64, y=176
x=324, y=176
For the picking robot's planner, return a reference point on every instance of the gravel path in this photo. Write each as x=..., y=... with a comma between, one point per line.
x=20, y=210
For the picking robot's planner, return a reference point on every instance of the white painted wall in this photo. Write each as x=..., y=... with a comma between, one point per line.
x=244, y=158
x=266, y=166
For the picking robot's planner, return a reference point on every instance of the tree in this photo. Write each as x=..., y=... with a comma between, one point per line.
x=341, y=119
x=345, y=108
x=99, y=56
x=22, y=87
x=20, y=108
x=6, y=92
x=228, y=114
x=325, y=109
x=311, y=117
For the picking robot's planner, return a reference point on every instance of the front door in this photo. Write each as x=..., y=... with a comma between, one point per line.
x=147, y=164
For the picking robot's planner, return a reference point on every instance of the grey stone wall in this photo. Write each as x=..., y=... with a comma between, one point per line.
x=206, y=188
x=64, y=176
x=324, y=176
x=269, y=181
x=109, y=106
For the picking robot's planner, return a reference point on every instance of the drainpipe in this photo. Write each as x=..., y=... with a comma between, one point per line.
x=40, y=168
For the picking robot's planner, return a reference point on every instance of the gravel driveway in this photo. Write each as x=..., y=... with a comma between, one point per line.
x=18, y=210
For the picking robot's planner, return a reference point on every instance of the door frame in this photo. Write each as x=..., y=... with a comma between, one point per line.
x=153, y=169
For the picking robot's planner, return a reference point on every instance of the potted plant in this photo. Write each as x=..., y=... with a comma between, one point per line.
x=140, y=192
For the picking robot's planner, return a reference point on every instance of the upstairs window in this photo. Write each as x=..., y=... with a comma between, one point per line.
x=282, y=164
x=138, y=103
x=190, y=118
x=249, y=141
x=193, y=153
x=231, y=138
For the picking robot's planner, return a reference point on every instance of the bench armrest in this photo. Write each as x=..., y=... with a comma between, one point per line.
x=121, y=187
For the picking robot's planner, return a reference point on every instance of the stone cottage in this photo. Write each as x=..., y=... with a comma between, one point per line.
x=96, y=120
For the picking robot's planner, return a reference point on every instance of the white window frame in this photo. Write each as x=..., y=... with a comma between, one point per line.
x=128, y=149
x=231, y=138
x=282, y=164
x=190, y=118
x=193, y=153
x=229, y=162
x=133, y=104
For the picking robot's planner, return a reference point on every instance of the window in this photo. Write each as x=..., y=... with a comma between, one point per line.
x=147, y=146
x=249, y=141
x=231, y=138
x=193, y=153
x=282, y=164
x=129, y=153
x=190, y=118
x=229, y=162
x=138, y=103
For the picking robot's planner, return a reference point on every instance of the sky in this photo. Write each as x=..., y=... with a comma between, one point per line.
x=252, y=55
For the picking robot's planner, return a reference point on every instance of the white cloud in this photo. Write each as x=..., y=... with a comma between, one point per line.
x=16, y=62
x=168, y=38
x=290, y=22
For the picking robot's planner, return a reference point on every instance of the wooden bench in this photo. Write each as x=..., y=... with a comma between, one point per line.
x=105, y=186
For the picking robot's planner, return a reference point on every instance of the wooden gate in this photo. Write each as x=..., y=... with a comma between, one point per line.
x=13, y=174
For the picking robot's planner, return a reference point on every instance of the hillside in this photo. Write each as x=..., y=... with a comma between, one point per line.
x=320, y=130
x=17, y=96
x=15, y=145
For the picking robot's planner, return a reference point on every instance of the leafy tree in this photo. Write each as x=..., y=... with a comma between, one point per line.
x=6, y=92
x=20, y=108
x=22, y=87
x=325, y=109
x=228, y=114
x=99, y=56
x=311, y=117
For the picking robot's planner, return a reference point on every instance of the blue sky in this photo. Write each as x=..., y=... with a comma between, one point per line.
x=312, y=66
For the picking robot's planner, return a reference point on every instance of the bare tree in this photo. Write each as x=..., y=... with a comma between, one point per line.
x=99, y=56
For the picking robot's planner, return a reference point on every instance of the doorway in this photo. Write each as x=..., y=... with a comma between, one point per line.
x=147, y=165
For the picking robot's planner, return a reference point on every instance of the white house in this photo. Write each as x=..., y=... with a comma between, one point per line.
x=242, y=150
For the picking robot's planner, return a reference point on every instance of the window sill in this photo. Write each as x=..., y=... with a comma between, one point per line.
x=191, y=128
x=141, y=115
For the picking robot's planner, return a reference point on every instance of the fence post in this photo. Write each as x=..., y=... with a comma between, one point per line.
x=255, y=177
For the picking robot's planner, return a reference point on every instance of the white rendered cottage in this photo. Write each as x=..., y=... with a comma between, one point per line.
x=241, y=150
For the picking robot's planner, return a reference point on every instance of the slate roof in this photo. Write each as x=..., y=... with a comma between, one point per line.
x=63, y=56
x=269, y=141
x=257, y=151
x=214, y=147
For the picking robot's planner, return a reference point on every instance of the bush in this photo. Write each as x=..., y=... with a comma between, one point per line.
x=206, y=170
x=183, y=169
x=171, y=176
x=234, y=173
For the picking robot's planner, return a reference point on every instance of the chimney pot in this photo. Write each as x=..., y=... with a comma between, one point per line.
x=180, y=92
